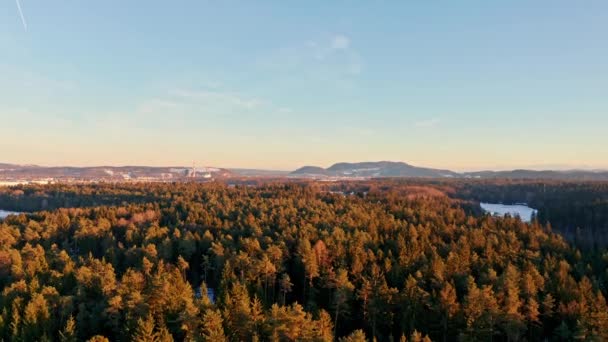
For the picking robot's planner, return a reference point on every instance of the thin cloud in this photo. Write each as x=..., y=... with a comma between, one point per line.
x=340, y=42
x=212, y=102
x=21, y=14
x=220, y=98
x=428, y=123
x=332, y=55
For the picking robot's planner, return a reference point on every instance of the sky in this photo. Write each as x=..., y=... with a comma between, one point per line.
x=465, y=85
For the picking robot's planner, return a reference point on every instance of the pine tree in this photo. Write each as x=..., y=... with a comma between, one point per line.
x=237, y=312
x=183, y=266
x=532, y=310
x=163, y=335
x=285, y=285
x=15, y=325
x=480, y=309
x=599, y=318
x=323, y=327
x=257, y=314
x=342, y=294
x=309, y=260
x=213, y=331
x=144, y=332
x=205, y=301
x=356, y=336
x=68, y=334
x=548, y=305
x=448, y=302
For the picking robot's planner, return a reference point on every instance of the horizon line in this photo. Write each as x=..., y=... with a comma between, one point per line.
x=540, y=168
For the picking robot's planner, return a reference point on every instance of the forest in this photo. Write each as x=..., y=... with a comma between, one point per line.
x=278, y=260
x=577, y=210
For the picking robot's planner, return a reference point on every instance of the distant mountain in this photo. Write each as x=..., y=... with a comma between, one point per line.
x=372, y=169
x=20, y=173
x=13, y=173
x=400, y=169
x=310, y=171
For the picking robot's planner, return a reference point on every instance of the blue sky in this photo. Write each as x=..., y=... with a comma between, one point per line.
x=275, y=84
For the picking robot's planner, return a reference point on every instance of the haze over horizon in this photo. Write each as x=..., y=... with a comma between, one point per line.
x=463, y=86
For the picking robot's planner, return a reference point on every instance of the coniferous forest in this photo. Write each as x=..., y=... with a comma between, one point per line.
x=385, y=260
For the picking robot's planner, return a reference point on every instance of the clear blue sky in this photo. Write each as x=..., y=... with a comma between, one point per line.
x=276, y=84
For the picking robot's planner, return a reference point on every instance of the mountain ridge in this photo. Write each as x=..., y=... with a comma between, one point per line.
x=402, y=169
x=374, y=169
x=345, y=170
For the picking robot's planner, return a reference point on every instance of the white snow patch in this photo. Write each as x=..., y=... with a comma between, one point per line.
x=4, y=214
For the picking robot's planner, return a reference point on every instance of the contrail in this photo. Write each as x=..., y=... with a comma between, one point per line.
x=21, y=13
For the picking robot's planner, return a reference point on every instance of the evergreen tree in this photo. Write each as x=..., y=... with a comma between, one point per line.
x=342, y=294
x=356, y=336
x=144, y=331
x=98, y=338
x=68, y=334
x=324, y=328
x=213, y=331
x=286, y=286
x=448, y=302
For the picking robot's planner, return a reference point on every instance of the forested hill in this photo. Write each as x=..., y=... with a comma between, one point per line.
x=43, y=174
x=383, y=169
x=373, y=169
x=288, y=262
x=400, y=169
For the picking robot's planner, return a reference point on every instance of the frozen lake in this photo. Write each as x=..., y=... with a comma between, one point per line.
x=521, y=210
x=4, y=213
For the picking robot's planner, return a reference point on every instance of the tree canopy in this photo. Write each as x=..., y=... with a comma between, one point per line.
x=288, y=261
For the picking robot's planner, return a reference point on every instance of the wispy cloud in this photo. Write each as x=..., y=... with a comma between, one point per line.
x=221, y=98
x=330, y=54
x=21, y=14
x=184, y=108
x=340, y=42
x=216, y=103
x=427, y=123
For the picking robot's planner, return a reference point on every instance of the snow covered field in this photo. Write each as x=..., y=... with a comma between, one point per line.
x=521, y=210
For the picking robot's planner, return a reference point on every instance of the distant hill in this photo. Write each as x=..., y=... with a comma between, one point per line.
x=400, y=169
x=310, y=171
x=373, y=169
x=13, y=172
